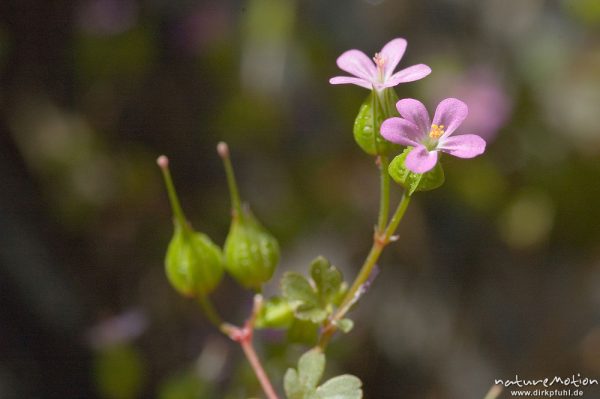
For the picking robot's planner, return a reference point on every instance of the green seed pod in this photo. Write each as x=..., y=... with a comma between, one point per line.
x=194, y=264
x=251, y=252
x=373, y=111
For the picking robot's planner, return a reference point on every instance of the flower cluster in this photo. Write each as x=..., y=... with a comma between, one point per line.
x=414, y=127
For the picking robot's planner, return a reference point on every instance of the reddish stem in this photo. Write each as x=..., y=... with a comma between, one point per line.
x=254, y=361
x=243, y=336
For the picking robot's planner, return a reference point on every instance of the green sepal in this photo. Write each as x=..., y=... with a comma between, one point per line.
x=193, y=264
x=275, y=313
x=251, y=252
x=415, y=181
x=371, y=114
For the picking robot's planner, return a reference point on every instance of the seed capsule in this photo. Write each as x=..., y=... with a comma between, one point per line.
x=193, y=264
x=251, y=252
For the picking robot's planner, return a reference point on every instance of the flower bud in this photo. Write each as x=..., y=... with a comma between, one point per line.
x=193, y=264
x=251, y=252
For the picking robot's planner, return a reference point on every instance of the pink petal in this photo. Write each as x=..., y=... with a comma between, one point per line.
x=392, y=54
x=463, y=145
x=450, y=113
x=415, y=111
x=400, y=131
x=339, y=80
x=356, y=63
x=419, y=160
x=409, y=74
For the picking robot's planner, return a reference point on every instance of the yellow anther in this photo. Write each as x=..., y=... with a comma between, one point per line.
x=436, y=131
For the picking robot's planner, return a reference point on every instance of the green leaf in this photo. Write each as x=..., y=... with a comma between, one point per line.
x=415, y=181
x=296, y=288
x=327, y=279
x=341, y=387
x=368, y=122
x=300, y=383
x=302, y=297
x=311, y=366
x=345, y=325
x=292, y=385
x=275, y=313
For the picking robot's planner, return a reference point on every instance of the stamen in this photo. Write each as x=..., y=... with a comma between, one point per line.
x=380, y=62
x=436, y=131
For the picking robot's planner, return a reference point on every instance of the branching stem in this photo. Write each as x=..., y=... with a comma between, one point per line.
x=243, y=336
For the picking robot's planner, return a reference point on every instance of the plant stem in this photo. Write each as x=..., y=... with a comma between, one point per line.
x=380, y=241
x=211, y=313
x=243, y=336
x=254, y=361
x=236, y=204
x=384, y=189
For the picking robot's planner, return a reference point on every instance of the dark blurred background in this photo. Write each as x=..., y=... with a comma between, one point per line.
x=497, y=273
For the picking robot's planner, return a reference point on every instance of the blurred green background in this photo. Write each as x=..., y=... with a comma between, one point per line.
x=497, y=273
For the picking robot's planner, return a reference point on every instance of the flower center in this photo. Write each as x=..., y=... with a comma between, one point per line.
x=436, y=131
x=380, y=62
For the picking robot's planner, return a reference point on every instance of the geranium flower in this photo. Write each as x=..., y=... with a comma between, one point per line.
x=427, y=139
x=379, y=73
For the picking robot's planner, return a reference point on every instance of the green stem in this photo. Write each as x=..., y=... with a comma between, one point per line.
x=236, y=203
x=384, y=188
x=397, y=217
x=379, y=243
x=163, y=163
x=211, y=313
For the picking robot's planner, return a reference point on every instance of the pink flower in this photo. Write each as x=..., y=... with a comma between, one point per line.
x=379, y=73
x=415, y=129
